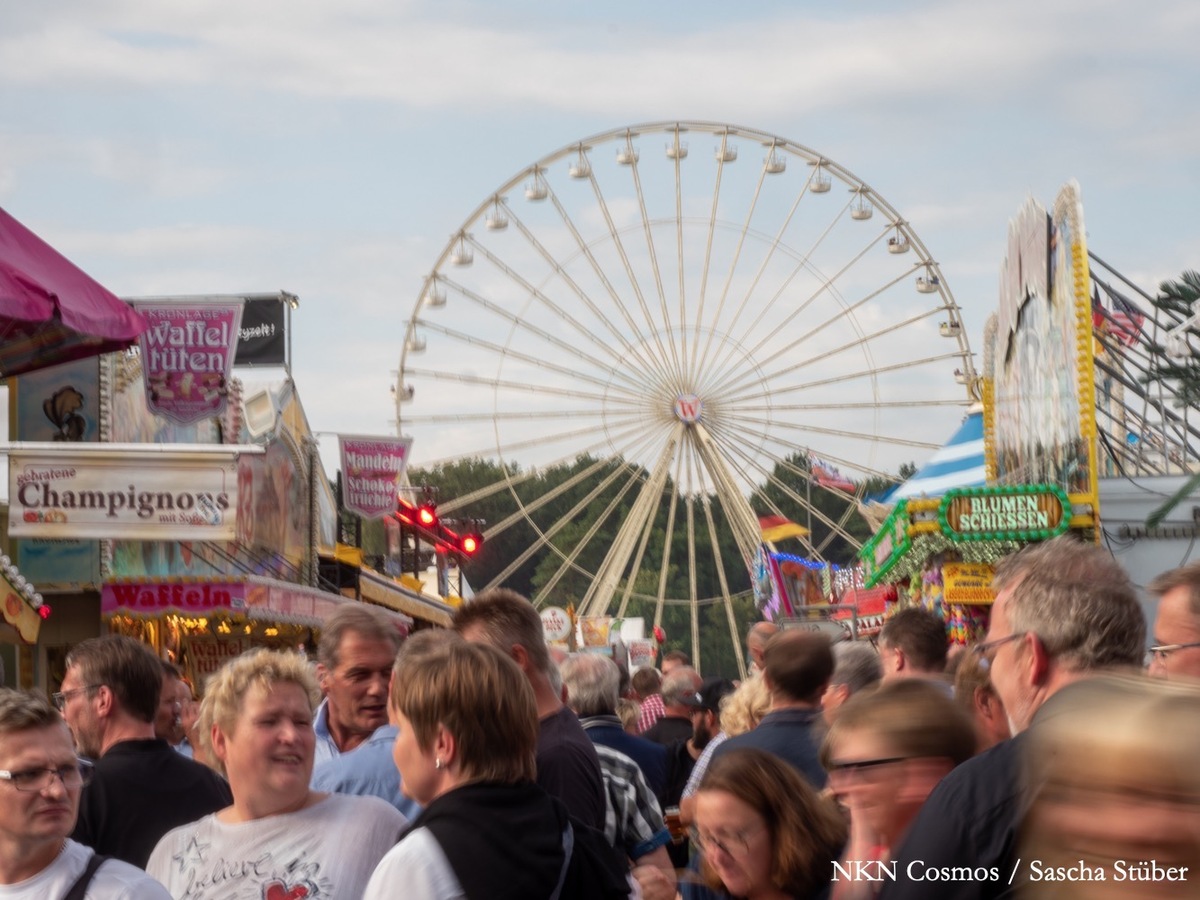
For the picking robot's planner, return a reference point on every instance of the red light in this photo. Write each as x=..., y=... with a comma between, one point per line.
x=470, y=543
x=44, y=611
x=426, y=515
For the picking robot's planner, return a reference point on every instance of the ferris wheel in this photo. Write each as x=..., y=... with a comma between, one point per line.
x=683, y=314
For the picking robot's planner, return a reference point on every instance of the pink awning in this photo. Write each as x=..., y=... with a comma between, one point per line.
x=50, y=310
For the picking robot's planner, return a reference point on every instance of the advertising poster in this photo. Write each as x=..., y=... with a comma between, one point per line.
x=61, y=403
x=117, y=491
x=262, y=337
x=187, y=355
x=371, y=471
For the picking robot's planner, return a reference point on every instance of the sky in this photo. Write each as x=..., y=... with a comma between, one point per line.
x=333, y=149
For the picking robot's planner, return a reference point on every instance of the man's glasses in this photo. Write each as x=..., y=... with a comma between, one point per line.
x=986, y=651
x=61, y=698
x=735, y=843
x=72, y=775
x=843, y=770
x=1160, y=652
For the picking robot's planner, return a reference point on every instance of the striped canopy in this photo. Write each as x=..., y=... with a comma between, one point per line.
x=959, y=464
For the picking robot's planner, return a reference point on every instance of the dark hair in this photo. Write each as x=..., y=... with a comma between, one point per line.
x=920, y=635
x=127, y=666
x=798, y=664
x=806, y=831
x=646, y=681
x=363, y=620
x=677, y=656
x=506, y=618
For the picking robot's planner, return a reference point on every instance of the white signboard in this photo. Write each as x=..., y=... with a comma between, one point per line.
x=149, y=492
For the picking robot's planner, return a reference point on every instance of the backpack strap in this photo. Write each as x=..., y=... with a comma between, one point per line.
x=79, y=888
x=568, y=849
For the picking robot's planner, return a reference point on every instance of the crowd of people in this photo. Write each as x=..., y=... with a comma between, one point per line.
x=1053, y=759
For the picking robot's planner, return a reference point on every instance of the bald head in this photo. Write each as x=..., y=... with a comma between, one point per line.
x=756, y=640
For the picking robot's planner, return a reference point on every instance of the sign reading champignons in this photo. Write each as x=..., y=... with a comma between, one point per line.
x=1028, y=512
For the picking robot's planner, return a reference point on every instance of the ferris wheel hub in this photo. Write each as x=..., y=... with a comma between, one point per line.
x=689, y=409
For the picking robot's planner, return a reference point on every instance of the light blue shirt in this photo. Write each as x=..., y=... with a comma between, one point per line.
x=367, y=770
x=326, y=748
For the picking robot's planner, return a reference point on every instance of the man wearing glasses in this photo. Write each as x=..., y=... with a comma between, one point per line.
x=142, y=788
x=40, y=783
x=1064, y=611
x=1175, y=654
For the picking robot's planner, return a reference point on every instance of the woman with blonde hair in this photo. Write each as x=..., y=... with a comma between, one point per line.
x=466, y=752
x=279, y=838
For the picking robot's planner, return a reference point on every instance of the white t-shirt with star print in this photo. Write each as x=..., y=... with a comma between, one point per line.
x=327, y=850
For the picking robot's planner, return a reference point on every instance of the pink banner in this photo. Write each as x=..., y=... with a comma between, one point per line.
x=187, y=354
x=193, y=597
x=371, y=472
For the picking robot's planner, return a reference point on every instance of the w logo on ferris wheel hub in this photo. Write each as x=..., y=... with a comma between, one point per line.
x=689, y=408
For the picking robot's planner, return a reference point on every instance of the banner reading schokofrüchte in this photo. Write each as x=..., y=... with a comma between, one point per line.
x=371, y=472
x=187, y=354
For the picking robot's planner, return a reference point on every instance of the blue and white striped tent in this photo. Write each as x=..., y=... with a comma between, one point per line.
x=959, y=464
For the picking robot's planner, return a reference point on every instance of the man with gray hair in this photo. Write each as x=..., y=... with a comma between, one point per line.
x=1064, y=612
x=633, y=819
x=856, y=665
x=39, y=801
x=676, y=721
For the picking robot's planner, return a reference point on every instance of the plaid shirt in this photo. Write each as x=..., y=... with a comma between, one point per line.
x=633, y=820
x=652, y=711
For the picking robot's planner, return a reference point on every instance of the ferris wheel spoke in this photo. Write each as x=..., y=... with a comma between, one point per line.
x=522, y=324
x=502, y=352
x=618, y=244
x=809, y=508
x=824, y=288
x=633, y=350
x=871, y=373
x=733, y=263
x=604, y=585
x=652, y=250
x=665, y=565
x=778, y=376
x=506, y=384
x=872, y=405
x=569, y=562
x=636, y=351
x=836, y=432
x=723, y=582
x=545, y=536
x=722, y=153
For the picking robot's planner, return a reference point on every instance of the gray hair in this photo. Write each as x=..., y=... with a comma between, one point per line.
x=368, y=621
x=681, y=682
x=1078, y=600
x=856, y=665
x=592, y=683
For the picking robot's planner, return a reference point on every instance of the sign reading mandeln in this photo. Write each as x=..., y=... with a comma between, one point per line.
x=371, y=472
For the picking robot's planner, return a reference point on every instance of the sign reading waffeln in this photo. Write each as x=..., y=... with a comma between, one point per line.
x=150, y=492
x=1034, y=512
x=371, y=472
x=187, y=354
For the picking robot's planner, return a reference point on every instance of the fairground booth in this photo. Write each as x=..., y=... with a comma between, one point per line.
x=948, y=526
x=181, y=506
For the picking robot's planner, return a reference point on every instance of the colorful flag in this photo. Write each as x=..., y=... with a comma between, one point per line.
x=776, y=528
x=828, y=476
x=1127, y=320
